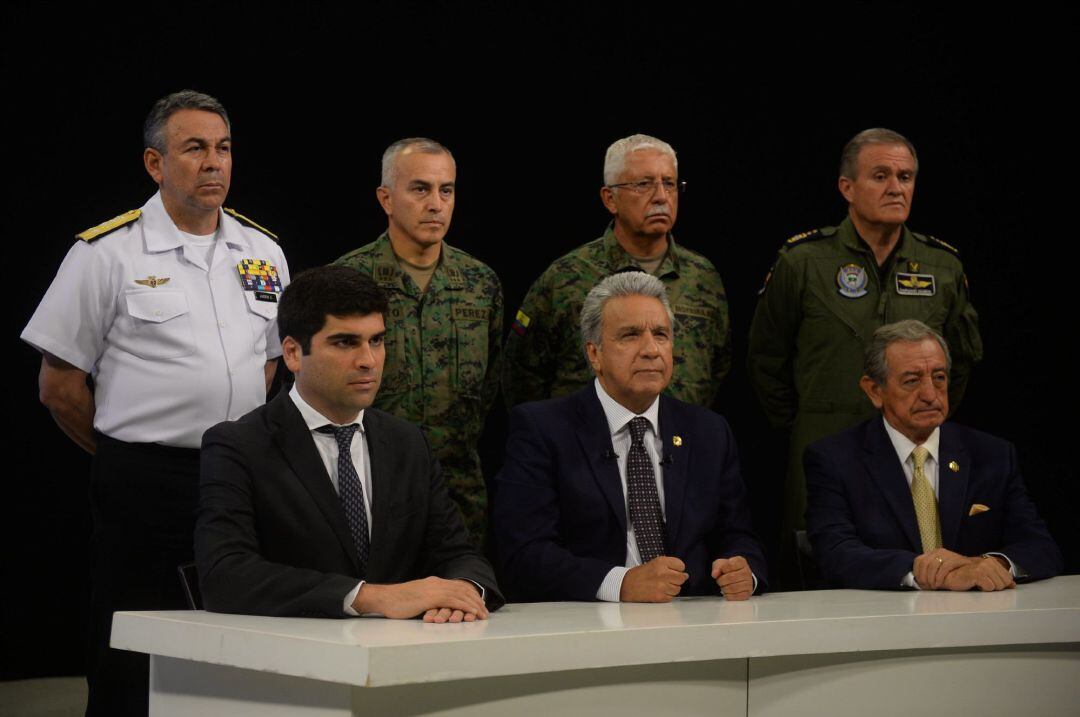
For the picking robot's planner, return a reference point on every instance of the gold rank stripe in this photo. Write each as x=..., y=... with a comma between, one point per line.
x=105, y=227
x=237, y=215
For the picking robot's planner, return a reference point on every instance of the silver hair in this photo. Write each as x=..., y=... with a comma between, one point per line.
x=620, y=149
x=163, y=109
x=626, y=283
x=907, y=331
x=849, y=156
x=416, y=144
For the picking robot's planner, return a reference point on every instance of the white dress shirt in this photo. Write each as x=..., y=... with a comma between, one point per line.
x=327, y=446
x=618, y=418
x=931, y=469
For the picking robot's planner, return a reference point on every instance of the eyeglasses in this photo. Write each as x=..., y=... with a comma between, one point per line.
x=649, y=186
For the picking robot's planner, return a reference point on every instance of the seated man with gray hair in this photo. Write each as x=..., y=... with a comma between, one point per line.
x=617, y=492
x=908, y=500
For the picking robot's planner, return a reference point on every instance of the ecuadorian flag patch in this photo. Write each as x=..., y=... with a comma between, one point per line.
x=521, y=323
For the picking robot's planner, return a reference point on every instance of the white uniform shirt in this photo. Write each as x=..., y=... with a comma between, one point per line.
x=172, y=359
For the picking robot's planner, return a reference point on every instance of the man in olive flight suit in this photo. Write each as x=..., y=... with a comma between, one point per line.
x=641, y=190
x=444, y=326
x=831, y=288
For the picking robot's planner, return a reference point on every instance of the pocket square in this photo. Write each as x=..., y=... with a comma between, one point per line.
x=977, y=508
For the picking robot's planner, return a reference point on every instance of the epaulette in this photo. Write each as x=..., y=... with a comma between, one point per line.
x=810, y=236
x=934, y=241
x=110, y=226
x=244, y=220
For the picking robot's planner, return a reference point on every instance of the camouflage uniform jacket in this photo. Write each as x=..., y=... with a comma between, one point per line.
x=544, y=356
x=821, y=304
x=442, y=359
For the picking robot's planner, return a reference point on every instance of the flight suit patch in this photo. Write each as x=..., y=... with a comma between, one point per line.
x=915, y=284
x=851, y=281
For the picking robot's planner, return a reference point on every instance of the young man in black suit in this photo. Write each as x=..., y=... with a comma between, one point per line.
x=318, y=505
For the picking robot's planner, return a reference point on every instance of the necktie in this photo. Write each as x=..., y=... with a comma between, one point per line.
x=645, y=514
x=922, y=494
x=351, y=491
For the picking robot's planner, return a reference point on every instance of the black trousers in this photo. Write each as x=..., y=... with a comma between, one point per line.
x=143, y=498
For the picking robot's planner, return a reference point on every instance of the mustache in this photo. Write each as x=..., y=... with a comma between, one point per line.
x=658, y=209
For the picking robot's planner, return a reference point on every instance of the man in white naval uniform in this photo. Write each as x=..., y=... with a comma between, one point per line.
x=171, y=310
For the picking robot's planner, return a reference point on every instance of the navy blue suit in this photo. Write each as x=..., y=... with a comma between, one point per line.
x=861, y=519
x=559, y=512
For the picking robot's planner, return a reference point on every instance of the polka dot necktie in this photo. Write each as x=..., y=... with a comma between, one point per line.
x=645, y=514
x=922, y=494
x=351, y=491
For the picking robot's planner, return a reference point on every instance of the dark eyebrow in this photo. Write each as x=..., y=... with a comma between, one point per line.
x=346, y=335
x=203, y=141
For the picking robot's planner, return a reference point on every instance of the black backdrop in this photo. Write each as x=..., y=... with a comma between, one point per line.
x=757, y=100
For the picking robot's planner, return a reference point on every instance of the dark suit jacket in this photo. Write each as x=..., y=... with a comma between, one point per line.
x=271, y=536
x=559, y=515
x=861, y=519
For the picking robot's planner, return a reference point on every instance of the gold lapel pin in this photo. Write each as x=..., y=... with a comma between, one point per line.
x=677, y=440
x=954, y=466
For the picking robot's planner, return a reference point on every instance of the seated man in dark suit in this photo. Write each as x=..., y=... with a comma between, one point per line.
x=908, y=500
x=616, y=492
x=316, y=504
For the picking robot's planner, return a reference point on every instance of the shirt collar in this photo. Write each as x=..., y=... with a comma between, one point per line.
x=904, y=446
x=390, y=275
x=162, y=234
x=619, y=416
x=315, y=420
x=851, y=239
x=618, y=258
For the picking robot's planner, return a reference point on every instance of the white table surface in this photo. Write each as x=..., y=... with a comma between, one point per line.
x=544, y=637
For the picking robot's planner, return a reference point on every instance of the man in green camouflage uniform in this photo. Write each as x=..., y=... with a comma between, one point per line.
x=831, y=288
x=543, y=352
x=444, y=325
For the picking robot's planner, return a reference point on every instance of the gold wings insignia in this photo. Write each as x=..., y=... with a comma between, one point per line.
x=152, y=281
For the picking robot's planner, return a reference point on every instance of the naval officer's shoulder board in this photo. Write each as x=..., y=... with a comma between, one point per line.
x=249, y=223
x=107, y=227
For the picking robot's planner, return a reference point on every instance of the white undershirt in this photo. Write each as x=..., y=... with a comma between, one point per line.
x=203, y=242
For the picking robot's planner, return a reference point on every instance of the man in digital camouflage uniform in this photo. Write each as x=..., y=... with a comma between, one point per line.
x=831, y=288
x=445, y=320
x=641, y=190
